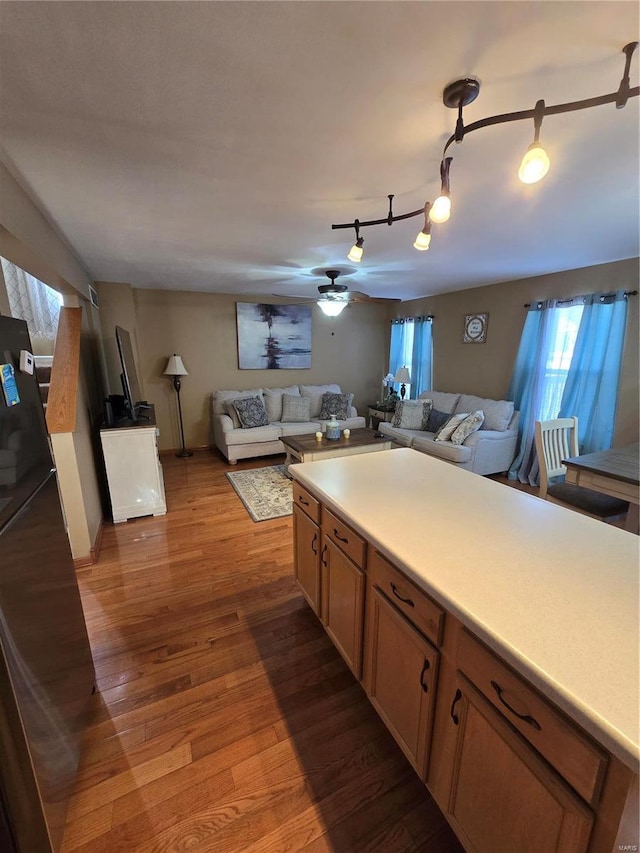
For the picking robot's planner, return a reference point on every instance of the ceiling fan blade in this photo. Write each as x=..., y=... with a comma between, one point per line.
x=358, y=296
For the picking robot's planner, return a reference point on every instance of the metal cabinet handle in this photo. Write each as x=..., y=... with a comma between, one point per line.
x=526, y=718
x=322, y=553
x=456, y=699
x=394, y=590
x=425, y=668
x=302, y=500
x=338, y=537
x=313, y=543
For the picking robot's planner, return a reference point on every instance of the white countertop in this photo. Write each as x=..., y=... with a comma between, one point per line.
x=553, y=592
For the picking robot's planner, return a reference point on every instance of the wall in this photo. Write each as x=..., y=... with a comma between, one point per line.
x=201, y=327
x=28, y=240
x=485, y=369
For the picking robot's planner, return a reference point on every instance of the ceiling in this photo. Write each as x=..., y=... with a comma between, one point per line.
x=209, y=146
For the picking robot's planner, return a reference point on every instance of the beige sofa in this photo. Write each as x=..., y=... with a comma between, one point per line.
x=490, y=450
x=235, y=443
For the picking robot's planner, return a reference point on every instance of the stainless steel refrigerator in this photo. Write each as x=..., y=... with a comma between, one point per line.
x=46, y=669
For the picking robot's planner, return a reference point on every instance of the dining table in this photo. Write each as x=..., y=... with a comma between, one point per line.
x=613, y=472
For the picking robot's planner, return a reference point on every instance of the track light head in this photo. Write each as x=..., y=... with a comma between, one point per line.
x=423, y=240
x=441, y=208
x=355, y=252
x=535, y=164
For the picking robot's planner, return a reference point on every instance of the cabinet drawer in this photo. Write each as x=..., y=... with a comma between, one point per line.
x=416, y=605
x=306, y=502
x=580, y=761
x=344, y=537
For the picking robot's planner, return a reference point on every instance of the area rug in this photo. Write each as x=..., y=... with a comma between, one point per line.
x=265, y=492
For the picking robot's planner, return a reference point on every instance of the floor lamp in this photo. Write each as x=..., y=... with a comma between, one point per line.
x=176, y=368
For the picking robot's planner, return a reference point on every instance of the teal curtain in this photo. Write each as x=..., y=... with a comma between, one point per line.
x=422, y=357
x=526, y=388
x=591, y=389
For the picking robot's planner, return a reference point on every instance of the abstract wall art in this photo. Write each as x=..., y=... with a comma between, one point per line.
x=273, y=337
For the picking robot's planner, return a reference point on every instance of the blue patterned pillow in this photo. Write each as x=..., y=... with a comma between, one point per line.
x=335, y=404
x=251, y=412
x=436, y=420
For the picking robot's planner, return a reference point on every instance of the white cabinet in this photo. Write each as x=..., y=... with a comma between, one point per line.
x=134, y=472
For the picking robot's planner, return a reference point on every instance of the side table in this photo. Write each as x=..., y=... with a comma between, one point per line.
x=378, y=414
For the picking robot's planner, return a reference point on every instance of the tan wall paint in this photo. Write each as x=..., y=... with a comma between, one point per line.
x=39, y=249
x=28, y=240
x=485, y=369
x=117, y=308
x=201, y=327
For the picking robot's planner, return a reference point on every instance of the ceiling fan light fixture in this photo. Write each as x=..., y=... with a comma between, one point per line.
x=331, y=307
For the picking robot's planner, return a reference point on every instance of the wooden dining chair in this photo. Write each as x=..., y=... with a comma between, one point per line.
x=557, y=440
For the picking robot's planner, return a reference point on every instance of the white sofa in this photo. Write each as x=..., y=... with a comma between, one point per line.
x=235, y=443
x=490, y=450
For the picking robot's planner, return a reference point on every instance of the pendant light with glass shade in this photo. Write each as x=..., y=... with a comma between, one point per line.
x=332, y=307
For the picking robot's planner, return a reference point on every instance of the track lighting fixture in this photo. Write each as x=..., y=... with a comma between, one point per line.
x=355, y=252
x=423, y=240
x=534, y=165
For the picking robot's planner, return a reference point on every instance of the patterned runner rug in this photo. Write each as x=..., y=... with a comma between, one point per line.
x=265, y=492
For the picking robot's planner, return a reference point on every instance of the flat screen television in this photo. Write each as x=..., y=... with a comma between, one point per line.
x=129, y=376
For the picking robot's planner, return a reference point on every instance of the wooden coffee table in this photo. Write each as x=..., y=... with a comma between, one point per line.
x=307, y=448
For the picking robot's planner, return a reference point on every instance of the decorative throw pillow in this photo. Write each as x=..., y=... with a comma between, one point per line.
x=295, y=409
x=447, y=430
x=467, y=427
x=273, y=401
x=335, y=404
x=436, y=420
x=230, y=410
x=412, y=414
x=251, y=412
x=315, y=392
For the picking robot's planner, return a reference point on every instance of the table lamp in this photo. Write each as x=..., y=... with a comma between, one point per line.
x=176, y=368
x=402, y=375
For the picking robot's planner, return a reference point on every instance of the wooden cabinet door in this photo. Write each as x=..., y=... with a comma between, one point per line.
x=504, y=798
x=400, y=678
x=342, y=603
x=306, y=549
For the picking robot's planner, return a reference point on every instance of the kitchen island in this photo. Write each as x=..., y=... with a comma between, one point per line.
x=522, y=618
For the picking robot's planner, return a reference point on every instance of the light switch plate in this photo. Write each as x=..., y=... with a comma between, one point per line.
x=26, y=361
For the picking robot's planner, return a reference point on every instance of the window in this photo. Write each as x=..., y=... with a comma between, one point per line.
x=411, y=347
x=563, y=334
x=32, y=300
x=568, y=365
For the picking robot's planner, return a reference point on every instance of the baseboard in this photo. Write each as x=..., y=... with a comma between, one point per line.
x=173, y=450
x=92, y=557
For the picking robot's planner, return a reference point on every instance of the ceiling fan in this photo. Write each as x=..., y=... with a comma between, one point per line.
x=335, y=297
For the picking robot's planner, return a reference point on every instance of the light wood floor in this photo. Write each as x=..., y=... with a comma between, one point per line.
x=226, y=721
